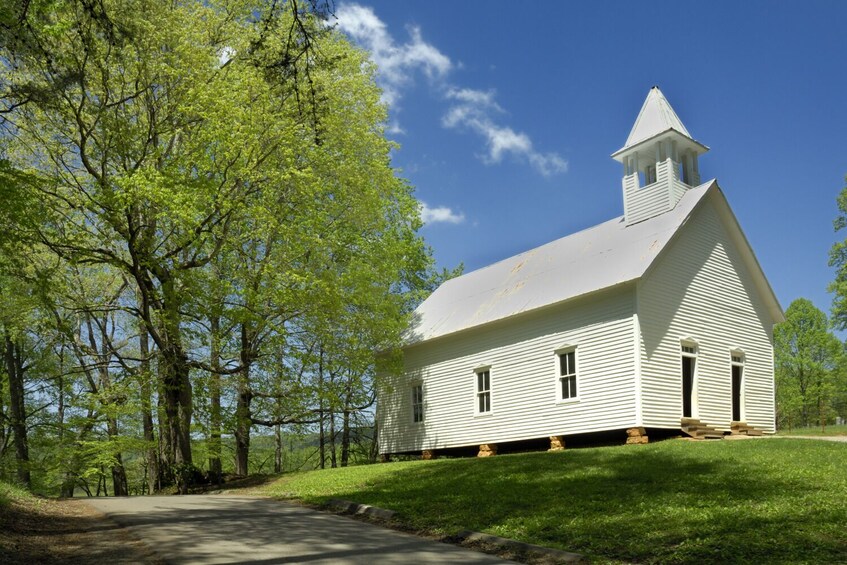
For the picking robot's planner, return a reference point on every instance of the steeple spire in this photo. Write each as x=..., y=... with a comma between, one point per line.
x=660, y=160
x=656, y=116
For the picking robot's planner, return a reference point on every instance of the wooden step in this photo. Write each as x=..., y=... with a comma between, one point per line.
x=743, y=428
x=698, y=430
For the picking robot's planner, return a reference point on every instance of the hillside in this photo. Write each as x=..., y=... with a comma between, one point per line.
x=39, y=530
x=773, y=500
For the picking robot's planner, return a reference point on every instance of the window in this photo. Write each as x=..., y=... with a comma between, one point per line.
x=567, y=375
x=650, y=174
x=417, y=403
x=483, y=391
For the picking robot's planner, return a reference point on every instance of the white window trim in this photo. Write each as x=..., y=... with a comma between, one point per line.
x=737, y=352
x=568, y=348
x=476, y=412
x=414, y=385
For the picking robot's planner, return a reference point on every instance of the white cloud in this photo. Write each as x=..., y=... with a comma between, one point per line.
x=469, y=109
x=471, y=96
x=396, y=63
x=441, y=214
x=394, y=128
x=473, y=110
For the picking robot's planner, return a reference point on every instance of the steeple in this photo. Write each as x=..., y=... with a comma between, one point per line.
x=659, y=159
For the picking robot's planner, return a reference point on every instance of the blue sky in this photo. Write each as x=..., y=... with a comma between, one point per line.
x=507, y=112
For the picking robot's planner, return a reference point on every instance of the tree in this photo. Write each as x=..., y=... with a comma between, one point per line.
x=838, y=259
x=175, y=145
x=807, y=357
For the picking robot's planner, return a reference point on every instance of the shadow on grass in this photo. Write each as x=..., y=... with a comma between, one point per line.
x=670, y=502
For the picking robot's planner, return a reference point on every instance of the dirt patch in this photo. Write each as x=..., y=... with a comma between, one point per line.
x=65, y=531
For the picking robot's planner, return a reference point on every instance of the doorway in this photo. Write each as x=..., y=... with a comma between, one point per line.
x=688, y=386
x=736, y=393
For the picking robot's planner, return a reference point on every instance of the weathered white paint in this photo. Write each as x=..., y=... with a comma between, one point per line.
x=521, y=354
x=702, y=288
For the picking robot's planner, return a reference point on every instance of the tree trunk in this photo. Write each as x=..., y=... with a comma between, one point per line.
x=17, y=409
x=242, y=408
x=68, y=486
x=322, y=435
x=345, y=422
x=215, y=423
x=178, y=411
x=321, y=414
x=151, y=454
x=374, y=451
x=175, y=387
x=66, y=489
x=278, y=450
x=332, y=458
x=110, y=402
x=345, y=437
x=2, y=417
x=119, y=482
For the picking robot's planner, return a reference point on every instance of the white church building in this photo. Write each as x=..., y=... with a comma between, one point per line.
x=656, y=321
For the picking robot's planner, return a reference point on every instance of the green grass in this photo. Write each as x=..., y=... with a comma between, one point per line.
x=10, y=493
x=669, y=502
x=840, y=430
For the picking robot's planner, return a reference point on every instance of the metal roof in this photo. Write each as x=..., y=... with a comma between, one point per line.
x=599, y=257
x=656, y=116
x=656, y=121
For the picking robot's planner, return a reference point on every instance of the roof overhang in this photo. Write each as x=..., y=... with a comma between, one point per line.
x=670, y=133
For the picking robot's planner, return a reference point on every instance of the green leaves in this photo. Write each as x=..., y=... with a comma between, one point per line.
x=838, y=259
x=169, y=163
x=808, y=359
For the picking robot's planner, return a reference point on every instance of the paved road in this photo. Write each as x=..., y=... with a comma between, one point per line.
x=239, y=529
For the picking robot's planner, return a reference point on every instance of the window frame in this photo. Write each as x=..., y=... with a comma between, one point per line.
x=417, y=403
x=557, y=372
x=479, y=393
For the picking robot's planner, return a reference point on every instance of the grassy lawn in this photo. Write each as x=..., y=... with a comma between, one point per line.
x=669, y=502
x=815, y=431
x=10, y=493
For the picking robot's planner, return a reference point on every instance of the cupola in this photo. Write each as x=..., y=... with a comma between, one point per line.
x=659, y=160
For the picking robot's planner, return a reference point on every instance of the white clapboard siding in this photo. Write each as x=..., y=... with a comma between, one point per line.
x=701, y=289
x=524, y=378
x=647, y=201
x=641, y=203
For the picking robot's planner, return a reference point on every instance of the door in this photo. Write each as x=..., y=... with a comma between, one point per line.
x=736, y=393
x=687, y=386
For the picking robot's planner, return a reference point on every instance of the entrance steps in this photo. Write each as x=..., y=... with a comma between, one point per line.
x=743, y=429
x=698, y=430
